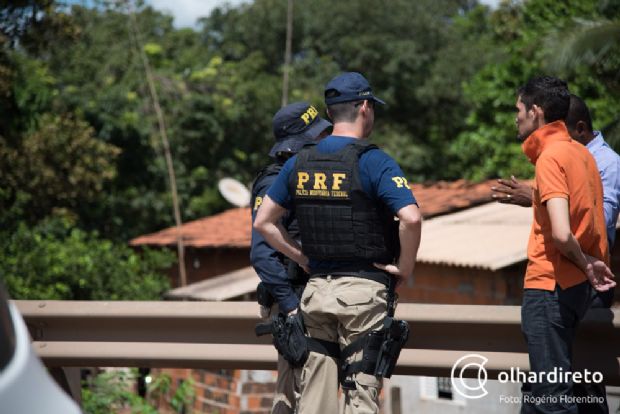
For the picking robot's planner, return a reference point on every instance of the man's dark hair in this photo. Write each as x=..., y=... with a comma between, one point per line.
x=578, y=111
x=549, y=93
x=343, y=112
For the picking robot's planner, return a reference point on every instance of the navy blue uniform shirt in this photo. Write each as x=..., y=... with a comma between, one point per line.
x=382, y=179
x=267, y=262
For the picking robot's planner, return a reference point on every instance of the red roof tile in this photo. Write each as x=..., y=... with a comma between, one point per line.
x=232, y=228
x=445, y=197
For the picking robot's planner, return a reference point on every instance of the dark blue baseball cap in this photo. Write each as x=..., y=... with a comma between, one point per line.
x=347, y=87
x=296, y=125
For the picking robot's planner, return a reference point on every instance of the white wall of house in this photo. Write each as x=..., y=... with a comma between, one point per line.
x=428, y=395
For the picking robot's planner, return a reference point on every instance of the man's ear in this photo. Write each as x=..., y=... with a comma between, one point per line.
x=538, y=112
x=580, y=127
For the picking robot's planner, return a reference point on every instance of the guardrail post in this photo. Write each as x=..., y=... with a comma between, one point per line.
x=69, y=379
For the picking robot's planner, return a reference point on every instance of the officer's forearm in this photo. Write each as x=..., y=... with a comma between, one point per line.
x=409, y=243
x=409, y=232
x=268, y=224
x=278, y=238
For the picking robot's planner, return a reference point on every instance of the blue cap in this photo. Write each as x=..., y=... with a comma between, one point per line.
x=296, y=125
x=348, y=87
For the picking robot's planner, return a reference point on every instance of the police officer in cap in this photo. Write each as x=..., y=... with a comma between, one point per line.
x=346, y=194
x=282, y=281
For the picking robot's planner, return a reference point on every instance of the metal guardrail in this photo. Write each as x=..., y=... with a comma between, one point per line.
x=214, y=335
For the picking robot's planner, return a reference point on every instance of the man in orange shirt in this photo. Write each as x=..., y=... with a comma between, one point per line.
x=567, y=251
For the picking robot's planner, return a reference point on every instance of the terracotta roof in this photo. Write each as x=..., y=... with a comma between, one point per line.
x=449, y=196
x=232, y=228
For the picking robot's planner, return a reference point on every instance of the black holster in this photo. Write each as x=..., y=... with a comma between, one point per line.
x=288, y=337
x=296, y=275
x=395, y=336
x=380, y=351
x=263, y=297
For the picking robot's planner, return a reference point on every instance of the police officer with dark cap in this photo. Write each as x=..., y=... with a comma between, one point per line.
x=346, y=193
x=282, y=281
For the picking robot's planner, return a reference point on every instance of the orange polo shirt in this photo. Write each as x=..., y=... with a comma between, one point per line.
x=566, y=169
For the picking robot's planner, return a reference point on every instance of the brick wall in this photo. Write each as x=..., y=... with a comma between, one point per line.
x=201, y=264
x=226, y=391
x=464, y=286
x=216, y=391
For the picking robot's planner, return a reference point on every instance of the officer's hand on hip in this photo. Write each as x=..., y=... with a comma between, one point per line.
x=303, y=263
x=395, y=271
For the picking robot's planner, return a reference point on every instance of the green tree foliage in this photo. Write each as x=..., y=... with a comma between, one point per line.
x=78, y=134
x=403, y=47
x=488, y=147
x=112, y=392
x=592, y=46
x=59, y=165
x=55, y=260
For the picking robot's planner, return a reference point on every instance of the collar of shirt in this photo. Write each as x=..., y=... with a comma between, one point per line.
x=597, y=142
x=536, y=143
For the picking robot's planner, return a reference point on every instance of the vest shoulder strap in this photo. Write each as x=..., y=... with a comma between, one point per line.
x=311, y=153
x=361, y=146
x=271, y=169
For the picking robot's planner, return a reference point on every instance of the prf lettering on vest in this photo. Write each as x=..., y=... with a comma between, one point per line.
x=320, y=184
x=319, y=181
x=258, y=202
x=309, y=115
x=302, y=178
x=400, y=182
x=338, y=177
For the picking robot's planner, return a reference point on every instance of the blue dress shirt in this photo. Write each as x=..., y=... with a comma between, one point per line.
x=608, y=163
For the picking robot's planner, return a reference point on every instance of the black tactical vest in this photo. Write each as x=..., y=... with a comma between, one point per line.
x=289, y=220
x=337, y=219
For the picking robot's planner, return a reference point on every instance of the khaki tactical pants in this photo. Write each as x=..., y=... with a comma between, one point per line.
x=287, y=388
x=340, y=309
x=288, y=382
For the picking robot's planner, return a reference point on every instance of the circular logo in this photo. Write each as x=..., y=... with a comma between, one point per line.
x=469, y=361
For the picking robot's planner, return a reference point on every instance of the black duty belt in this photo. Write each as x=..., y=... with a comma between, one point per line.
x=377, y=276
